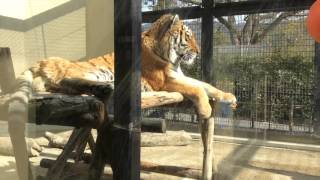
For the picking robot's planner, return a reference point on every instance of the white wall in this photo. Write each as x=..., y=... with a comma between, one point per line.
x=64, y=36
x=100, y=27
x=24, y=9
x=82, y=33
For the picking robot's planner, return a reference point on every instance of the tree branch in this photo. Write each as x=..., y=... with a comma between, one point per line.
x=230, y=25
x=259, y=36
x=246, y=30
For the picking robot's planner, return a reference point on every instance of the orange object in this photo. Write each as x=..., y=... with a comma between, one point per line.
x=313, y=21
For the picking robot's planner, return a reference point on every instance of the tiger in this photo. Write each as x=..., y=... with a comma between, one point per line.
x=164, y=46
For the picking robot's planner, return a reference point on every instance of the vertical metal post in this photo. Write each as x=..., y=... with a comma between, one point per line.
x=125, y=157
x=316, y=122
x=207, y=63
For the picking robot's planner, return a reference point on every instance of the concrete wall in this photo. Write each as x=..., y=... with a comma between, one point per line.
x=36, y=29
x=100, y=24
x=63, y=35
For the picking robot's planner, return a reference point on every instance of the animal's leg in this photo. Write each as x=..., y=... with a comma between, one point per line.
x=99, y=89
x=215, y=93
x=197, y=94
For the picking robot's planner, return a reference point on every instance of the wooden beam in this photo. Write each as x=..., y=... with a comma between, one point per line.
x=183, y=172
x=157, y=125
x=316, y=123
x=78, y=135
x=66, y=110
x=207, y=62
x=159, y=98
x=125, y=142
x=3, y=107
x=7, y=76
x=259, y=6
x=232, y=8
x=17, y=117
x=184, y=13
x=207, y=44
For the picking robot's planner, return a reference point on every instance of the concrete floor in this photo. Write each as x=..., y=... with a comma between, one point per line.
x=233, y=161
x=243, y=162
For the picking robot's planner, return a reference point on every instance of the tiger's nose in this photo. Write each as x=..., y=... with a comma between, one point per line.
x=197, y=49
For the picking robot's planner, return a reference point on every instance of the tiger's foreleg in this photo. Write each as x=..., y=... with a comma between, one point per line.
x=215, y=93
x=195, y=93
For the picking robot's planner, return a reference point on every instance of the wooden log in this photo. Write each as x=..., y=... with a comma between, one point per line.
x=207, y=128
x=6, y=148
x=146, y=166
x=55, y=103
x=67, y=110
x=91, y=142
x=170, y=138
x=85, y=157
x=150, y=124
x=81, y=146
x=207, y=132
x=56, y=141
x=3, y=106
x=172, y=170
x=159, y=98
x=153, y=125
x=77, y=136
x=88, y=111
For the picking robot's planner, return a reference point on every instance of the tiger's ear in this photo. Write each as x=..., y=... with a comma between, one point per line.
x=167, y=26
x=175, y=19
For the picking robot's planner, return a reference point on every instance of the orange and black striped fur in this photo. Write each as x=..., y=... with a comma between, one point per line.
x=165, y=45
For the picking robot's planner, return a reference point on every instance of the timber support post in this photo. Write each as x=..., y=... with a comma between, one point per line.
x=316, y=121
x=207, y=65
x=6, y=71
x=125, y=152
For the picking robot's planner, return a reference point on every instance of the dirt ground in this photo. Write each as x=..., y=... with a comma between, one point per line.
x=233, y=162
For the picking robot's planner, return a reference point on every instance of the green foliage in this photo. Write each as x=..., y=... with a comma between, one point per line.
x=269, y=87
x=276, y=66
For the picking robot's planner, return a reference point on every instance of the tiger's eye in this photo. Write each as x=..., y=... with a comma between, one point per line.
x=188, y=37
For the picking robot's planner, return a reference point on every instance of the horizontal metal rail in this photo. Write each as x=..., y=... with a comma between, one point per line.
x=232, y=8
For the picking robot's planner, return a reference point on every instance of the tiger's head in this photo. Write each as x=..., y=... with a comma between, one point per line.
x=174, y=41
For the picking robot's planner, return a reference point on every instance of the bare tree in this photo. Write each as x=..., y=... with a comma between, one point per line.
x=254, y=29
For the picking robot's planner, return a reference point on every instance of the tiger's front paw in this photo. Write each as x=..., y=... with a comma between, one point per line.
x=230, y=99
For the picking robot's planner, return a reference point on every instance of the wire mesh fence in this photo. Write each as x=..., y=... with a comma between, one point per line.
x=266, y=60
x=152, y=5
